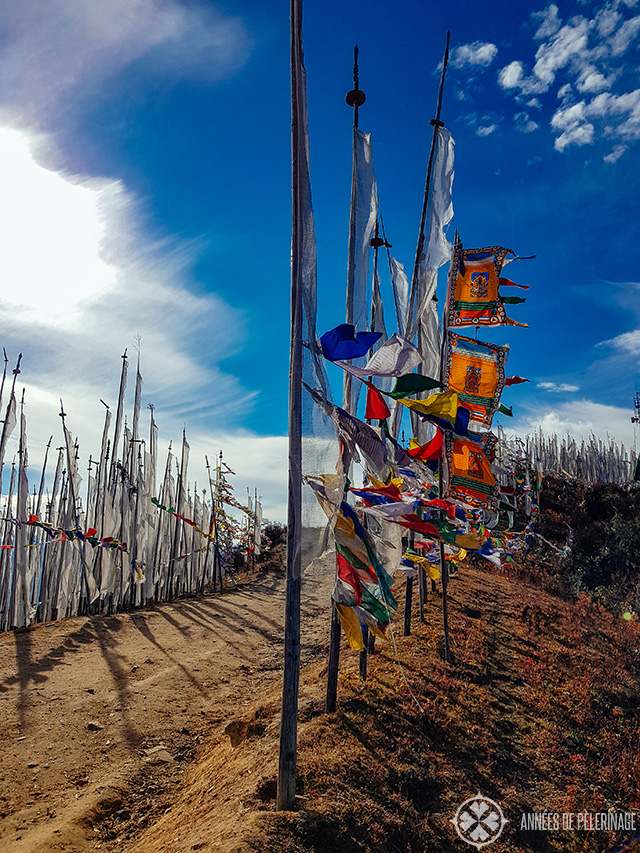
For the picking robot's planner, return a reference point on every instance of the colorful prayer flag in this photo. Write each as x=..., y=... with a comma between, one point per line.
x=343, y=342
x=475, y=370
x=469, y=475
x=475, y=299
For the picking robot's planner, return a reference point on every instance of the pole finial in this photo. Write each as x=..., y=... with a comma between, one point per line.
x=356, y=97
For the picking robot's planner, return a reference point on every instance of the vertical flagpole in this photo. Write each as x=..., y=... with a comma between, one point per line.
x=436, y=123
x=288, y=723
x=355, y=98
x=444, y=566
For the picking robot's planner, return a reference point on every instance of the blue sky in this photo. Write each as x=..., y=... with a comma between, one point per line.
x=164, y=209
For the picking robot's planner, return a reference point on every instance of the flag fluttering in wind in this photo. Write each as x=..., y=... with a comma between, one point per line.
x=475, y=299
x=394, y=358
x=344, y=342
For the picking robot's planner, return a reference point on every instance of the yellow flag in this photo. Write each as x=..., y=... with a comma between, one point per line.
x=433, y=573
x=457, y=558
x=470, y=541
x=350, y=626
x=443, y=405
x=377, y=484
x=415, y=558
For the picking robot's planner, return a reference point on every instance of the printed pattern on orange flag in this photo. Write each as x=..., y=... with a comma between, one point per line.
x=469, y=475
x=475, y=300
x=475, y=370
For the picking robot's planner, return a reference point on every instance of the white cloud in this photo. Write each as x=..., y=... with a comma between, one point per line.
x=486, y=130
x=625, y=106
x=562, y=387
x=580, y=419
x=476, y=53
x=589, y=54
x=574, y=127
x=566, y=45
x=80, y=282
x=523, y=123
x=624, y=35
x=550, y=22
x=606, y=21
x=565, y=92
x=54, y=49
x=512, y=75
x=629, y=342
x=615, y=154
x=592, y=81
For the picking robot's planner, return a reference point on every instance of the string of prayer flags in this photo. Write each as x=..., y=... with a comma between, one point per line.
x=475, y=299
x=343, y=342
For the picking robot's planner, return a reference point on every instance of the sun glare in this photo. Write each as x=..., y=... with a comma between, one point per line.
x=51, y=235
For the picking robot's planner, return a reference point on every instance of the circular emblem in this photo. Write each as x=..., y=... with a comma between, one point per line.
x=479, y=821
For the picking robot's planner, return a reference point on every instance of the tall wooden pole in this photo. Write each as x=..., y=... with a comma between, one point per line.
x=444, y=566
x=288, y=724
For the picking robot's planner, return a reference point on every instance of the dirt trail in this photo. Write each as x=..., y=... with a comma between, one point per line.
x=101, y=716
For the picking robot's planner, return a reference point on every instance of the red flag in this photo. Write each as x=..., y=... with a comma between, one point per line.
x=431, y=450
x=376, y=409
x=347, y=573
x=413, y=522
x=514, y=380
x=505, y=282
x=442, y=504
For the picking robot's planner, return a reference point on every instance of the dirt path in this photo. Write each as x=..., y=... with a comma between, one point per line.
x=101, y=716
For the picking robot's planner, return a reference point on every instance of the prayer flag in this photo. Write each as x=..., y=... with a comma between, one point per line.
x=413, y=383
x=475, y=370
x=469, y=475
x=343, y=342
x=475, y=300
x=376, y=408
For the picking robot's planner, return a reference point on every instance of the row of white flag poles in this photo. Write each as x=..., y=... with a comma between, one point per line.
x=124, y=537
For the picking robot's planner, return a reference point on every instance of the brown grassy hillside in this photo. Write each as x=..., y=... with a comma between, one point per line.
x=540, y=712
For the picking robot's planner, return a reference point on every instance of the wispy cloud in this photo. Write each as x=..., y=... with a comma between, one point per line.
x=484, y=125
x=562, y=387
x=586, y=57
x=524, y=123
x=479, y=54
x=53, y=50
x=82, y=280
x=629, y=342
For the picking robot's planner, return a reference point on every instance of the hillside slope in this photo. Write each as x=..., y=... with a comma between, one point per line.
x=540, y=712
